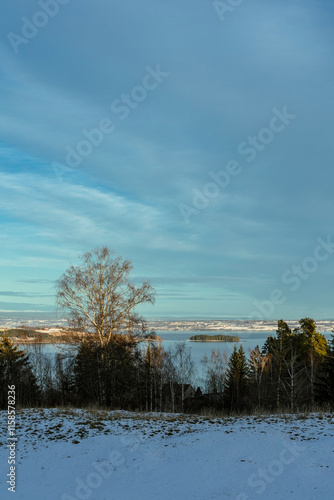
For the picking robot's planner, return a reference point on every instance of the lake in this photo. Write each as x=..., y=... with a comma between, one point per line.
x=249, y=340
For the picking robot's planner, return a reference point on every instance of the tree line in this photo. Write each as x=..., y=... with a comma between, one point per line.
x=293, y=371
x=117, y=375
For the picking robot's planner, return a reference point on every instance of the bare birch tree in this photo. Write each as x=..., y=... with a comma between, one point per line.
x=184, y=366
x=214, y=368
x=98, y=296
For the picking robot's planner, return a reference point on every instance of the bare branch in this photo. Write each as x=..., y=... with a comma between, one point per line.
x=98, y=296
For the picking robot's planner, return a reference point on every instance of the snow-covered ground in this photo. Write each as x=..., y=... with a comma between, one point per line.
x=77, y=454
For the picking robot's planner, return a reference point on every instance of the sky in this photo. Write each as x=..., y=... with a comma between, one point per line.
x=194, y=138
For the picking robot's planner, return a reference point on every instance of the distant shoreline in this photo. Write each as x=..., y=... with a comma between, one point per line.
x=212, y=326
x=56, y=336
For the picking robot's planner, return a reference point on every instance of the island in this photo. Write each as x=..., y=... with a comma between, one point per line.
x=151, y=337
x=214, y=338
x=32, y=335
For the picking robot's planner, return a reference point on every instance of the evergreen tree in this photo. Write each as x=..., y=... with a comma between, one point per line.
x=325, y=383
x=296, y=358
x=107, y=375
x=311, y=339
x=15, y=370
x=237, y=381
x=288, y=371
x=280, y=349
x=313, y=350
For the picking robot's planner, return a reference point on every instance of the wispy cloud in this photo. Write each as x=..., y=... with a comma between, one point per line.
x=8, y=293
x=77, y=213
x=36, y=281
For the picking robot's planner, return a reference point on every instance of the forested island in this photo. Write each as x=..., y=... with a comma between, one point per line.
x=25, y=335
x=214, y=338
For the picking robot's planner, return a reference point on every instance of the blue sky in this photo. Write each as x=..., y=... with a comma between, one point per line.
x=180, y=92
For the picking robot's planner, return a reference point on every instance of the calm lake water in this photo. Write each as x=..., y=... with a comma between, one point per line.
x=198, y=349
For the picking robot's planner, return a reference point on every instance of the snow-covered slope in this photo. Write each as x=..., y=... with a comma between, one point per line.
x=76, y=454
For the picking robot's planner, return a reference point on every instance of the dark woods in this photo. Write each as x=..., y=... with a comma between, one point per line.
x=294, y=371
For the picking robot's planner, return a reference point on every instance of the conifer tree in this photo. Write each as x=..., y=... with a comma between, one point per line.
x=313, y=350
x=325, y=383
x=15, y=370
x=279, y=350
x=106, y=375
x=237, y=381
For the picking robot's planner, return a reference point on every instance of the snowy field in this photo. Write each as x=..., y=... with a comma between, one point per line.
x=76, y=454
